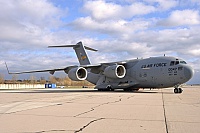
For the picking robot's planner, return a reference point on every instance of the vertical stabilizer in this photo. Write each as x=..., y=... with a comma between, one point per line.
x=80, y=52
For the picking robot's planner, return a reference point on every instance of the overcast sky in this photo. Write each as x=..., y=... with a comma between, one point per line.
x=119, y=29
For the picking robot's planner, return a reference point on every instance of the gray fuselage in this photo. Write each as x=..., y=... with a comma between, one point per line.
x=153, y=72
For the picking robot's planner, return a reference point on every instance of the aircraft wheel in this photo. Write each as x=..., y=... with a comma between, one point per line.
x=127, y=89
x=136, y=89
x=111, y=89
x=176, y=90
x=180, y=90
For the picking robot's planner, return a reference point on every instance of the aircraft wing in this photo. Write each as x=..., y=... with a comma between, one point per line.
x=96, y=68
x=35, y=71
x=51, y=71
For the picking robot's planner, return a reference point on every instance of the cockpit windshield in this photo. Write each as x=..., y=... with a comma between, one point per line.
x=172, y=63
x=177, y=62
x=183, y=62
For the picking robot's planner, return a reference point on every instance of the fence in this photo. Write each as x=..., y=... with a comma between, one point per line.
x=21, y=86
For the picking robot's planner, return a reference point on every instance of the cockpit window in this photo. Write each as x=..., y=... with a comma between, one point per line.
x=177, y=62
x=172, y=63
x=183, y=62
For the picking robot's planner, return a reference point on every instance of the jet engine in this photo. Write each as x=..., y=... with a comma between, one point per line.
x=77, y=74
x=115, y=71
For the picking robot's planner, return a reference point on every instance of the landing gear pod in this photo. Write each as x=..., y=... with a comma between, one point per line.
x=77, y=74
x=115, y=71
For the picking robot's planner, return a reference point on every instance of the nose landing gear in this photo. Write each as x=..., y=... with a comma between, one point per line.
x=178, y=90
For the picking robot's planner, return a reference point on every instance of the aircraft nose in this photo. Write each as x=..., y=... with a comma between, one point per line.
x=188, y=72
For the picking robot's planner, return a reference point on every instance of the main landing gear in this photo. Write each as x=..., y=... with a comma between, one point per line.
x=108, y=88
x=178, y=90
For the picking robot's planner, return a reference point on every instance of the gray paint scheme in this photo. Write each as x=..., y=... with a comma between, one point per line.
x=149, y=77
x=153, y=72
x=80, y=52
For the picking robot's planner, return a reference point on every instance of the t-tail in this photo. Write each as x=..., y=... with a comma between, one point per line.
x=80, y=52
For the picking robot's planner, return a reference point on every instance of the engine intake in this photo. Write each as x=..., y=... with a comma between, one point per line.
x=77, y=74
x=115, y=71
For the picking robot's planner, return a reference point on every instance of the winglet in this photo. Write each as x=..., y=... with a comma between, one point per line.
x=7, y=68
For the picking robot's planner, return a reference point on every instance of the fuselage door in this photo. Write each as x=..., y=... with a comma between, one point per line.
x=153, y=80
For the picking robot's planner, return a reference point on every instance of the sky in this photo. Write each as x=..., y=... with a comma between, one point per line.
x=119, y=29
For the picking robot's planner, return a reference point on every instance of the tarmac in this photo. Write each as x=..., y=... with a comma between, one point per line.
x=91, y=111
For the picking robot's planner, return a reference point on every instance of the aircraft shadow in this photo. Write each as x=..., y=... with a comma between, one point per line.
x=80, y=91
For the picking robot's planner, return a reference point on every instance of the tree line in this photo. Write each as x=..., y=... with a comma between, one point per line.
x=59, y=81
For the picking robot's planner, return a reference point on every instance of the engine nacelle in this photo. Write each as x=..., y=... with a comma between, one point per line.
x=115, y=71
x=77, y=74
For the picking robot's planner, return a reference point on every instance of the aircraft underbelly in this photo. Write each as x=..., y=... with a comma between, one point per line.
x=126, y=82
x=93, y=78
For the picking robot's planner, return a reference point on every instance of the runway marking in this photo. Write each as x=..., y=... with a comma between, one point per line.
x=22, y=106
x=55, y=130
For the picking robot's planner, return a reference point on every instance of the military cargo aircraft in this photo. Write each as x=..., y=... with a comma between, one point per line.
x=153, y=72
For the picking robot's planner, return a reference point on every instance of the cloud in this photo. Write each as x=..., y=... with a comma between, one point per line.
x=159, y=5
x=116, y=50
x=112, y=27
x=182, y=18
x=189, y=3
x=119, y=30
x=101, y=10
x=39, y=12
x=27, y=22
x=26, y=30
x=163, y=5
x=195, y=52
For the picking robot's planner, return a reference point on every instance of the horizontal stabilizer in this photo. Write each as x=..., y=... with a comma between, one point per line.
x=74, y=46
x=88, y=48
x=62, y=46
x=81, y=53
